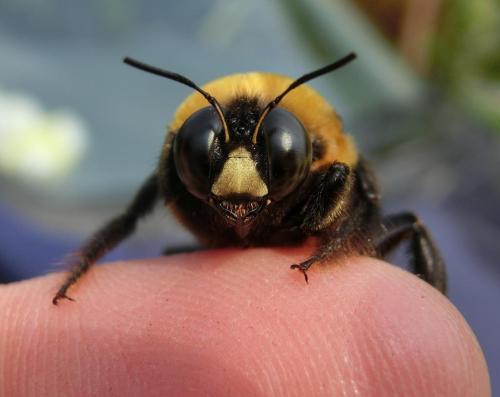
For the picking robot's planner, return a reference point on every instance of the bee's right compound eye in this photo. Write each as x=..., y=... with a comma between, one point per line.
x=193, y=145
x=289, y=152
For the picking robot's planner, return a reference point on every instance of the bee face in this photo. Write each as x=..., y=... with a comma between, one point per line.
x=241, y=175
x=243, y=160
x=234, y=164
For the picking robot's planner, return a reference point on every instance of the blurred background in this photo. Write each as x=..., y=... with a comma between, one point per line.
x=79, y=130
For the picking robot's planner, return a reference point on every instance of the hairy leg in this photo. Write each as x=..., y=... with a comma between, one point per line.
x=112, y=233
x=425, y=257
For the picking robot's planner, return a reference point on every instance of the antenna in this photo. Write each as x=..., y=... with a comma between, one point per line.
x=301, y=80
x=183, y=80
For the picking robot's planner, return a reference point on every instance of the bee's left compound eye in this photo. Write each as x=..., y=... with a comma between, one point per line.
x=193, y=147
x=289, y=152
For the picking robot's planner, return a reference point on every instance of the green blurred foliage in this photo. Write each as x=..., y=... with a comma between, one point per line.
x=457, y=51
x=466, y=56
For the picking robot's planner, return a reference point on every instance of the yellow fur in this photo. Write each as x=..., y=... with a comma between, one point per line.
x=317, y=116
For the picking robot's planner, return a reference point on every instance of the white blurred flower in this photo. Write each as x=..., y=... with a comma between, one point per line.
x=35, y=145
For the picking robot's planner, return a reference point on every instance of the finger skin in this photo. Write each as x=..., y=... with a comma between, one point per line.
x=237, y=323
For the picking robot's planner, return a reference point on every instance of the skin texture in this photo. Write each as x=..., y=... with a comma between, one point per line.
x=240, y=323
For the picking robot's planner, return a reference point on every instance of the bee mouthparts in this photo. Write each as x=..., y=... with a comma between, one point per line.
x=240, y=211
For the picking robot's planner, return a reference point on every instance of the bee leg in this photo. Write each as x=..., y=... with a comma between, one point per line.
x=425, y=258
x=327, y=249
x=181, y=249
x=329, y=189
x=112, y=233
x=304, y=267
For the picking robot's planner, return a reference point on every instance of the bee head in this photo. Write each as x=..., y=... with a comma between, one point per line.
x=242, y=156
x=239, y=177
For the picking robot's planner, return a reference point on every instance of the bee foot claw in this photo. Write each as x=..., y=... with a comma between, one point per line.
x=61, y=295
x=302, y=269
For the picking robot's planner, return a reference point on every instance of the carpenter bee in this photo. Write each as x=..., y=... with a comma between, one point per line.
x=260, y=159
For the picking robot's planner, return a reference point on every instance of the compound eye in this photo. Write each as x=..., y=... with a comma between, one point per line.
x=193, y=145
x=289, y=152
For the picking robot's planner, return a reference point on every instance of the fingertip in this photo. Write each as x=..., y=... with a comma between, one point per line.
x=240, y=322
x=415, y=337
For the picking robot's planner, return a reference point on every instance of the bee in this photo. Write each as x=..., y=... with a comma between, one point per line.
x=260, y=159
